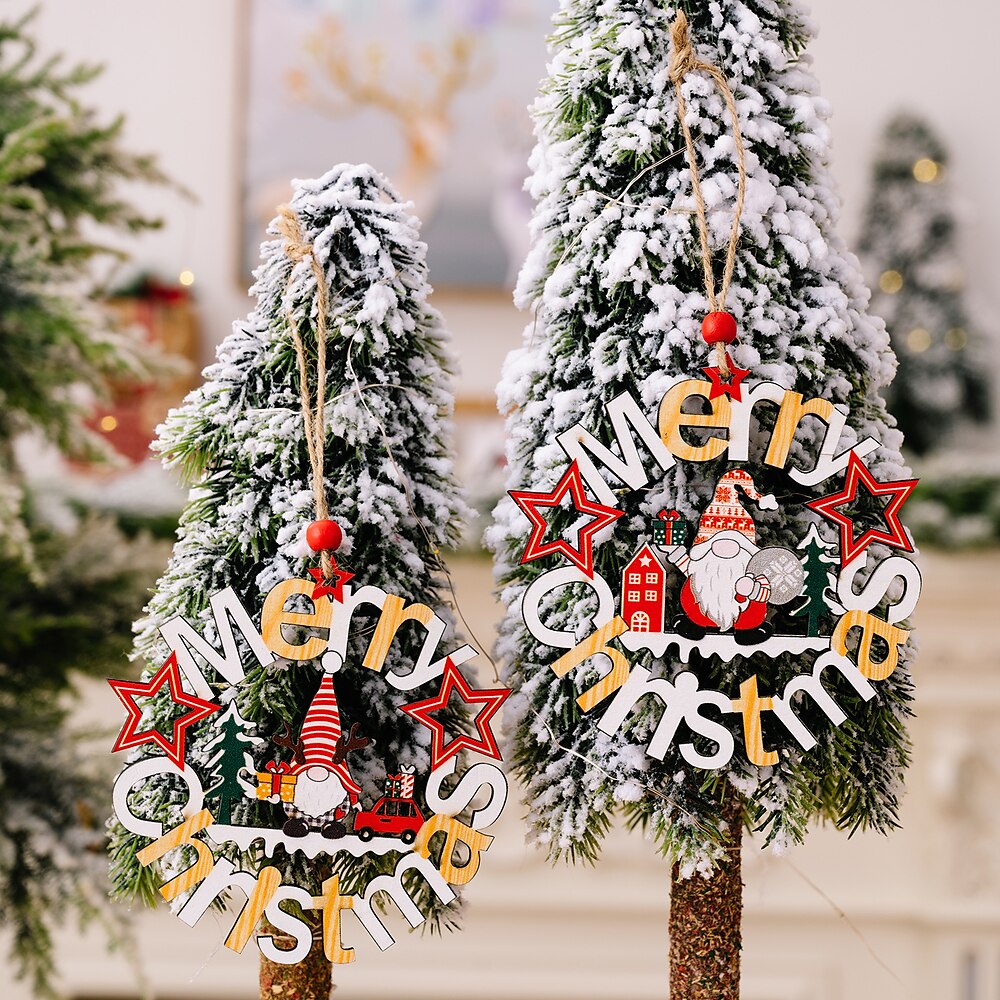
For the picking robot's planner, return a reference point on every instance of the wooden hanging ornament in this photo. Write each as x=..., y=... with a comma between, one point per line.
x=301, y=790
x=709, y=583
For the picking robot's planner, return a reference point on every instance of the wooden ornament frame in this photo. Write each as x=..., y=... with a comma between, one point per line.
x=609, y=636
x=196, y=827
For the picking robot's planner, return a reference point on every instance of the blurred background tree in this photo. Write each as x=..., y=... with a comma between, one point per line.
x=68, y=592
x=910, y=250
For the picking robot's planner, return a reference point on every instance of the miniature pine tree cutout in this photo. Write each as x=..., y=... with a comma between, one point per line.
x=818, y=580
x=909, y=246
x=230, y=758
x=616, y=291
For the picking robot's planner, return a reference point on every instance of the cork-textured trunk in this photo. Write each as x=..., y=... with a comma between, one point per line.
x=705, y=916
x=309, y=980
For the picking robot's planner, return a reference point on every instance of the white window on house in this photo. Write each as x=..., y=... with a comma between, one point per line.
x=633, y=595
x=635, y=578
x=651, y=595
x=652, y=578
x=640, y=622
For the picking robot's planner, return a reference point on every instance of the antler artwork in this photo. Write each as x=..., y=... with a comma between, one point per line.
x=297, y=746
x=348, y=743
x=423, y=115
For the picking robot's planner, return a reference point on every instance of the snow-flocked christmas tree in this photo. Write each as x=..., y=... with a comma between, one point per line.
x=388, y=483
x=909, y=247
x=615, y=288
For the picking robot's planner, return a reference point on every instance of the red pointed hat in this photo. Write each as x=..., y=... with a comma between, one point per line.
x=320, y=732
x=726, y=511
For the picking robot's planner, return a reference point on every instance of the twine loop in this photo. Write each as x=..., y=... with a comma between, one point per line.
x=683, y=60
x=313, y=413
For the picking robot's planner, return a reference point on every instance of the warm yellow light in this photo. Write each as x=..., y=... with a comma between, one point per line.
x=890, y=282
x=956, y=338
x=108, y=423
x=918, y=340
x=186, y=278
x=926, y=170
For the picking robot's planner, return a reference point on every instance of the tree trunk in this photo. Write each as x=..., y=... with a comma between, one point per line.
x=309, y=980
x=705, y=915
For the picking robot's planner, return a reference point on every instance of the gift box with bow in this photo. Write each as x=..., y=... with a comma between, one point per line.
x=276, y=779
x=669, y=528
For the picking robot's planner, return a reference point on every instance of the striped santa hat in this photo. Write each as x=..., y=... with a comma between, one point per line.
x=320, y=732
x=726, y=511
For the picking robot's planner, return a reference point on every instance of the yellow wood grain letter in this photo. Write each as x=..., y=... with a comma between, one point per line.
x=672, y=419
x=871, y=626
x=595, y=643
x=274, y=616
x=182, y=836
x=331, y=903
x=393, y=615
x=456, y=833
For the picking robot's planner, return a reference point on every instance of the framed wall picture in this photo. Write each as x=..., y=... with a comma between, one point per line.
x=434, y=93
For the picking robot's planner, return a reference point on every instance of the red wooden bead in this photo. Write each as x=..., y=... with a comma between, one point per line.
x=324, y=536
x=718, y=327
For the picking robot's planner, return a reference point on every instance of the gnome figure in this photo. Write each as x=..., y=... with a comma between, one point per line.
x=325, y=792
x=718, y=592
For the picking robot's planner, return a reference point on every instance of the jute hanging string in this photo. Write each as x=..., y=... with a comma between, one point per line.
x=313, y=414
x=683, y=61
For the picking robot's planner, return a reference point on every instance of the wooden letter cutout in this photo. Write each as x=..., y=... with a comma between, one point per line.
x=870, y=626
x=182, y=638
x=393, y=885
x=274, y=616
x=426, y=668
x=476, y=778
x=140, y=771
x=456, y=833
x=394, y=614
x=876, y=587
x=812, y=685
x=292, y=926
x=182, y=835
x=331, y=903
x=750, y=705
x=259, y=890
x=672, y=419
x=682, y=701
x=623, y=411
x=597, y=644
x=564, y=576
x=790, y=415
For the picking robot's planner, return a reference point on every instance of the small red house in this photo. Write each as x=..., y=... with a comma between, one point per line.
x=644, y=583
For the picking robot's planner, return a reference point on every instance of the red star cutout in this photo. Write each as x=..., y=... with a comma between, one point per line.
x=729, y=386
x=334, y=590
x=128, y=691
x=452, y=680
x=857, y=473
x=572, y=483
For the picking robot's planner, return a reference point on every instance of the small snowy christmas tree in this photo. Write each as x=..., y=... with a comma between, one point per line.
x=616, y=289
x=229, y=756
x=819, y=580
x=388, y=483
x=910, y=251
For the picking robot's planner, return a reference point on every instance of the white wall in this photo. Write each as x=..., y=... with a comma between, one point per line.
x=173, y=68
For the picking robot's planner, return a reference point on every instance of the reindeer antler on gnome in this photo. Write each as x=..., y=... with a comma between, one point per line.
x=348, y=743
x=298, y=747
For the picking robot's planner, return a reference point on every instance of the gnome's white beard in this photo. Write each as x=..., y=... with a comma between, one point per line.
x=315, y=798
x=713, y=580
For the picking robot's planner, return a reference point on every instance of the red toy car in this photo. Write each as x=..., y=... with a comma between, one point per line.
x=390, y=818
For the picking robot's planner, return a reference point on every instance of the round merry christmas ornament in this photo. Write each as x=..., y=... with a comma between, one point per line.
x=702, y=557
x=305, y=744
